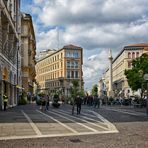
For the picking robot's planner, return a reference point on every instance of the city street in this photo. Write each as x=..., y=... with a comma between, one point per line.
x=27, y=126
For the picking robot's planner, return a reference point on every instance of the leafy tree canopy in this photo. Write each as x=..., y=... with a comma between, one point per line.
x=95, y=90
x=75, y=88
x=135, y=75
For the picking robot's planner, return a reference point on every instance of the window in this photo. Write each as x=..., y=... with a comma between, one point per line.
x=133, y=55
x=72, y=74
x=68, y=64
x=68, y=74
x=129, y=64
x=129, y=55
x=68, y=54
x=72, y=64
x=137, y=54
x=75, y=54
x=76, y=64
x=76, y=74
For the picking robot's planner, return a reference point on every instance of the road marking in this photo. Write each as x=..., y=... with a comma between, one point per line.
x=35, y=128
x=87, y=121
x=110, y=125
x=69, y=128
x=56, y=135
x=125, y=112
x=53, y=112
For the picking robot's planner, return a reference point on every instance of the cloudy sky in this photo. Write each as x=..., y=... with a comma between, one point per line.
x=95, y=25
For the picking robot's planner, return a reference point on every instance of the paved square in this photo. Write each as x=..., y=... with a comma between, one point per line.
x=33, y=123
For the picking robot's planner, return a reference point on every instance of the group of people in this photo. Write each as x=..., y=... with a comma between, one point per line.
x=94, y=101
x=44, y=102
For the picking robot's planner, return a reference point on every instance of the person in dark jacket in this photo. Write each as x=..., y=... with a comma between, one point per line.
x=5, y=100
x=78, y=103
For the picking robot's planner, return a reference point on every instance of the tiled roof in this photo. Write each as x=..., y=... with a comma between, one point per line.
x=72, y=46
x=138, y=45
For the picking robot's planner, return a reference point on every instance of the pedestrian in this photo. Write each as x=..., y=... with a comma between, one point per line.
x=98, y=102
x=72, y=102
x=43, y=102
x=95, y=102
x=5, y=99
x=29, y=97
x=78, y=103
x=47, y=102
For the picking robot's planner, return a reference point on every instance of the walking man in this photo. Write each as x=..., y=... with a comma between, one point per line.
x=78, y=103
x=5, y=99
x=47, y=102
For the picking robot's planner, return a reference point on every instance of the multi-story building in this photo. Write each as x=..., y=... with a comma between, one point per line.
x=10, y=27
x=120, y=63
x=57, y=70
x=28, y=51
x=101, y=87
x=44, y=53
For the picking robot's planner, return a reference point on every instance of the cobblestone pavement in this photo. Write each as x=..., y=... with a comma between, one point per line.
x=107, y=127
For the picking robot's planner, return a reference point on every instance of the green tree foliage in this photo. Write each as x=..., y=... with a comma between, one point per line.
x=95, y=90
x=75, y=88
x=135, y=75
x=82, y=93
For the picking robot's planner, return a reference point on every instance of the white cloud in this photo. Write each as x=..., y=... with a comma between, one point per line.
x=95, y=25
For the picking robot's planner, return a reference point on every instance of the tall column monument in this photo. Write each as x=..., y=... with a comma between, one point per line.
x=110, y=74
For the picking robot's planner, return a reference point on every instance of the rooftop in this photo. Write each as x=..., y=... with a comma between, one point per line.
x=138, y=45
x=71, y=46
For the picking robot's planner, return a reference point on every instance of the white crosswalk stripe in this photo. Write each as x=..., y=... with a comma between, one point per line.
x=85, y=120
x=35, y=128
x=88, y=123
x=59, y=114
x=72, y=130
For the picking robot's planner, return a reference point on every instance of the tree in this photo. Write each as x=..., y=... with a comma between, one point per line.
x=74, y=93
x=82, y=93
x=95, y=90
x=135, y=75
x=75, y=88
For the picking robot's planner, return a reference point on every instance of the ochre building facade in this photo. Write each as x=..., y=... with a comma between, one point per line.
x=56, y=71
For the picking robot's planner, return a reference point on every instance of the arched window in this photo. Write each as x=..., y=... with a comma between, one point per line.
x=137, y=54
x=129, y=55
x=133, y=55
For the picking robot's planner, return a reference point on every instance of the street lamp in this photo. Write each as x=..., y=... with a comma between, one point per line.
x=146, y=78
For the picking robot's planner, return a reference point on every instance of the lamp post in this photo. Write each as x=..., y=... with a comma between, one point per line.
x=146, y=78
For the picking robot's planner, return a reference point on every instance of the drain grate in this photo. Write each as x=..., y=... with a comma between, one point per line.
x=75, y=140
